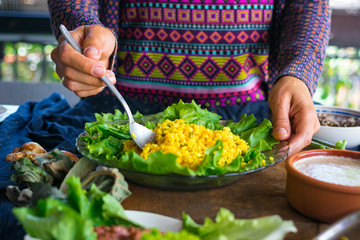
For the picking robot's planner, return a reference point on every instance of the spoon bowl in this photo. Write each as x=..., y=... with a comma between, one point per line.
x=141, y=134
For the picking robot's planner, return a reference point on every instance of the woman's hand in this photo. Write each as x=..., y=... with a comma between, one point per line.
x=293, y=113
x=80, y=73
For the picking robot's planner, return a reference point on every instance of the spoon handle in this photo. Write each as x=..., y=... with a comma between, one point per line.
x=104, y=78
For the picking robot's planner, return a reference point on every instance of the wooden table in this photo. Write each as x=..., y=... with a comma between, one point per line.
x=255, y=195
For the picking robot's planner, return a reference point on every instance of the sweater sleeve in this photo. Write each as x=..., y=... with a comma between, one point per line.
x=72, y=14
x=305, y=30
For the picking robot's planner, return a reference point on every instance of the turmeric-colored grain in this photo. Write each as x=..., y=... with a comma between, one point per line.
x=189, y=142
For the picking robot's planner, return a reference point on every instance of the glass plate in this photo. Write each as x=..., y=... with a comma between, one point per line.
x=185, y=183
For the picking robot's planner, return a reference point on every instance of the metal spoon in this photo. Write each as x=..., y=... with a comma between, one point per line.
x=139, y=133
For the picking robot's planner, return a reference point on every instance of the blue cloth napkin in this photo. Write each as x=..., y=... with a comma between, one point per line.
x=52, y=123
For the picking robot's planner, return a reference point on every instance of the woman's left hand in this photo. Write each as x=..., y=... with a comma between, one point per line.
x=293, y=113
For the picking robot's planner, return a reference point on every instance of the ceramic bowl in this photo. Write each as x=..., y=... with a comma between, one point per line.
x=316, y=199
x=334, y=134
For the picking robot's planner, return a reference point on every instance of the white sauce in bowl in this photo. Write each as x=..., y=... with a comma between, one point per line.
x=338, y=170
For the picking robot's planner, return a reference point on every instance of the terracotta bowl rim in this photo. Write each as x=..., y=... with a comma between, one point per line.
x=321, y=184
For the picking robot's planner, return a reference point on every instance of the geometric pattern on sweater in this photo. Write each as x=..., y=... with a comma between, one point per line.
x=195, y=36
x=200, y=14
x=218, y=51
x=192, y=69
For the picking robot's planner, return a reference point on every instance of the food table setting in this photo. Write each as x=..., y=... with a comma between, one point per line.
x=253, y=186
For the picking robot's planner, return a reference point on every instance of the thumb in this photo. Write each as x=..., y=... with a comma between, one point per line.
x=92, y=43
x=281, y=121
x=92, y=52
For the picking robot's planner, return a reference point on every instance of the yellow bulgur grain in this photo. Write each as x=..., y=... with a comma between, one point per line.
x=189, y=142
x=263, y=162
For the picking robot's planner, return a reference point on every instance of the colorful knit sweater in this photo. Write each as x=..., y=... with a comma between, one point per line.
x=217, y=52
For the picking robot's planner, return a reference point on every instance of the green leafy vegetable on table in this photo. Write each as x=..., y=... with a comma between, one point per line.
x=105, y=137
x=227, y=227
x=74, y=217
x=320, y=144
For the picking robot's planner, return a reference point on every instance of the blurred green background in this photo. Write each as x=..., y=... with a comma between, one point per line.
x=339, y=84
x=28, y=62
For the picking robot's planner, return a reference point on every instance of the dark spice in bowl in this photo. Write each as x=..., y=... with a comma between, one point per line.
x=333, y=120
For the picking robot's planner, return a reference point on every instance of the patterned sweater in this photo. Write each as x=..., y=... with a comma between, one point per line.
x=217, y=52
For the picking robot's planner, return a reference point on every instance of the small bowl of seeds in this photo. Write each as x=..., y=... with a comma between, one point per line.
x=338, y=124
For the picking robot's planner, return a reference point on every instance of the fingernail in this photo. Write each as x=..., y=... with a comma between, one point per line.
x=111, y=77
x=91, y=51
x=98, y=71
x=281, y=132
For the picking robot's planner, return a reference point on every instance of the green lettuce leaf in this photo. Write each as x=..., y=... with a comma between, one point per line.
x=73, y=217
x=192, y=113
x=77, y=197
x=112, y=117
x=109, y=148
x=245, y=123
x=52, y=219
x=226, y=227
x=341, y=144
x=104, y=209
x=157, y=162
x=155, y=234
x=262, y=132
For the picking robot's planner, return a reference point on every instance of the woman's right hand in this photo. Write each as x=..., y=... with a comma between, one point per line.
x=81, y=73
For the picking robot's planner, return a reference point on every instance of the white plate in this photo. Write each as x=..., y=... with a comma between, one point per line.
x=153, y=220
x=6, y=110
x=148, y=220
